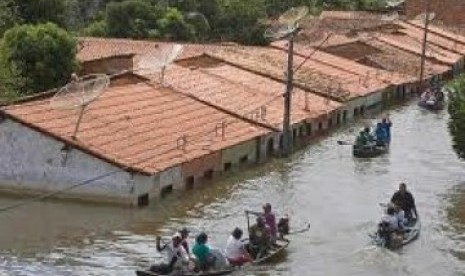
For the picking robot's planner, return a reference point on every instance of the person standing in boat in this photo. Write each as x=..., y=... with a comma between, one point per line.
x=176, y=256
x=404, y=199
x=387, y=124
x=270, y=220
x=235, y=251
x=381, y=135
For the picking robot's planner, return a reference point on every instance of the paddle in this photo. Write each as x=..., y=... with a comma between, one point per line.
x=303, y=230
x=344, y=143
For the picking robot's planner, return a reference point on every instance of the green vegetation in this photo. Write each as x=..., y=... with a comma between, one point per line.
x=35, y=57
x=457, y=115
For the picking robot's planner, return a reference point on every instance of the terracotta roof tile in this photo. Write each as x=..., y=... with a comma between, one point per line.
x=440, y=31
x=139, y=126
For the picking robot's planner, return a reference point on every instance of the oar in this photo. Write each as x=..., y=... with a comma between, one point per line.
x=303, y=230
x=344, y=143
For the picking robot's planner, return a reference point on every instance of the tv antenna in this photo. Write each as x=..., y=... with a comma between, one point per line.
x=288, y=27
x=423, y=17
x=79, y=93
x=394, y=3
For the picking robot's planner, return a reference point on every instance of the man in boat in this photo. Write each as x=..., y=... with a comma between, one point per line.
x=235, y=250
x=387, y=124
x=202, y=252
x=260, y=238
x=381, y=135
x=361, y=139
x=176, y=256
x=389, y=227
x=404, y=199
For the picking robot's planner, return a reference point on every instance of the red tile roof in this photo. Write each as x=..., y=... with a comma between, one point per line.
x=440, y=31
x=242, y=92
x=316, y=77
x=348, y=65
x=139, y=126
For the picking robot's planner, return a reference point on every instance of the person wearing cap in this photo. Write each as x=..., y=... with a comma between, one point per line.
x=235, y=251
x=176, y=256
x=404, y=199
x=202, y=253
x=185, y=244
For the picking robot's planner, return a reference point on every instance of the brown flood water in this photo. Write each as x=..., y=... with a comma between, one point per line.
x=322, y=184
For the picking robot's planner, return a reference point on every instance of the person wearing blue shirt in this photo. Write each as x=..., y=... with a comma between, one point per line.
x=381, y=135
x=387, y=124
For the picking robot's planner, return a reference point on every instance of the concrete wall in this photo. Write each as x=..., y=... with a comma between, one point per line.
x=31, y=162
x=200, y=169
x=236, y=155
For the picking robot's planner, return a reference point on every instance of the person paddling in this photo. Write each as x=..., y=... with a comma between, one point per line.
x=404, y=199
x=387, y=124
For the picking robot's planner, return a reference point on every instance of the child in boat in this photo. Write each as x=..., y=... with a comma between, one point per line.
x=201, y=251
x=235, y=251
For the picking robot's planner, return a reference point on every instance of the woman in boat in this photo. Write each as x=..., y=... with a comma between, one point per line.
x=235, y=251
x=201, y=251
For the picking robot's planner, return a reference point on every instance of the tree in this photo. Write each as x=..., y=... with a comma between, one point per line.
x=7, y=16
x=457, y=115
x=132, y=19
x=173, y=26
x=36, y=58
x=39, y=11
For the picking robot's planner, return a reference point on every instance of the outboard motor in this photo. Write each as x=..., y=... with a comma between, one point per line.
x=283, y=227
x=384, y=233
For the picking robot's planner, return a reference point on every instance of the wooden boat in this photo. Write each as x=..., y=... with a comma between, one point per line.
x=210, y=273
x=433, y=106
x=275, y=251
x=411, y=233
x=369, y=151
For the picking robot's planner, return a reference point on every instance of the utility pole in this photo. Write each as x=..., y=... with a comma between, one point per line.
x=287, y=133
x=425, y=39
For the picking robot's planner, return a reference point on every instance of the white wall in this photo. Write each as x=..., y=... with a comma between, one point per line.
x=33, y=162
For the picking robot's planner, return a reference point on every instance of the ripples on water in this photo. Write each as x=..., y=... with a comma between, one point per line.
x=322, y=184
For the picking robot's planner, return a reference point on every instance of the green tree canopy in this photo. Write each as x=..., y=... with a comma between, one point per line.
x=457, y=115
x=36, y=58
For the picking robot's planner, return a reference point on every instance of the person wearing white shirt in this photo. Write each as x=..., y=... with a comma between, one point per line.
x=391, y=219
x=177, y=257
x=235, y=251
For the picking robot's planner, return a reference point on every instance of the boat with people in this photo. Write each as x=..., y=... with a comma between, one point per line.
x=401, y=223
x=370, y=145
x=432, y=99
x=265, y=243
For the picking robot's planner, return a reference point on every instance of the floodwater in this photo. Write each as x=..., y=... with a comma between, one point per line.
x=322, y=184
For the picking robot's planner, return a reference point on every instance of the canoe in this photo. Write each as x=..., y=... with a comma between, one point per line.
x=369, y=151
x=210, y=273
x=275, y=251
x=411, y=233
x=436, y=106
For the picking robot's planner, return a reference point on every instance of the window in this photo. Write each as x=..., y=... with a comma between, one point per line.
x=227, y=166
x=302, y=130
x=244, y=159
x=269, y=147
x=190, y=182
x=166, y=190
x=320, y=126
x=309, y=129
x=208, y=174
x=355, y=112
x=362, y=110
x=330, y=123
x=344, y=116
x=143, y=200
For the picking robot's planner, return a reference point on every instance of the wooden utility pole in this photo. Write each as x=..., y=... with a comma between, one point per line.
x=425, y=40
x=287, y=133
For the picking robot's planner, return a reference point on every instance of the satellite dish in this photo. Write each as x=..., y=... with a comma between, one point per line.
x=278, y=32
x=166, y=57
x=79, y=93
x=422, y=17
x=394, y=3
x=393, y=16
x=292, y=16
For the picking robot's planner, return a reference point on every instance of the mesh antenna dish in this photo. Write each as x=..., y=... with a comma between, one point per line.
x=166, y=57
x=278, y=32
x=79, y=93
x=394, y=3
x=422, y=17
x=292, y=16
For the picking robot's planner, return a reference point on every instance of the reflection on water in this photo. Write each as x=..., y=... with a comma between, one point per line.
x=322, y=184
